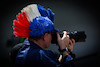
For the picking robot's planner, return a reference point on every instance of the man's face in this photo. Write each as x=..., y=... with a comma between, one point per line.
x=48, y=39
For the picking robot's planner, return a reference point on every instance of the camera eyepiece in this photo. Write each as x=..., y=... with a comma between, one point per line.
x=78, y=36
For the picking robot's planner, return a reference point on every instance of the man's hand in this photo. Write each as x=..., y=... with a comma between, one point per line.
x=64, y=42
x=70, y=46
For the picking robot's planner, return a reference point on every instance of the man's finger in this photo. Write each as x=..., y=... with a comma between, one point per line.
x=70, y=42
x=73, y=41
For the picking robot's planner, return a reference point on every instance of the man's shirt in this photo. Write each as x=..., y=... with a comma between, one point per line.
x=34, y=56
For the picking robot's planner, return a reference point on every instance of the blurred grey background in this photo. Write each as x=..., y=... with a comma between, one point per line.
x=69, y=15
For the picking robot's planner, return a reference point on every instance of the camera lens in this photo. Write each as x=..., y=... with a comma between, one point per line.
x=78, y=36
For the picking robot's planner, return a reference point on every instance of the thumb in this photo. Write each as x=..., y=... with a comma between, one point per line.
x=64, y=35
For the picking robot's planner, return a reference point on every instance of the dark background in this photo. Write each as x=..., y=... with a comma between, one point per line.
x=69, y=15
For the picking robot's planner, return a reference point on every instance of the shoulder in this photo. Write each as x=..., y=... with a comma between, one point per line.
x=17, y=47
x=15, y=50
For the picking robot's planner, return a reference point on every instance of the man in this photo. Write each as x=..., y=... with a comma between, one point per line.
x=39, y=33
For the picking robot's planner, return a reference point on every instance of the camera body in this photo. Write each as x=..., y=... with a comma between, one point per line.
x=78, y=36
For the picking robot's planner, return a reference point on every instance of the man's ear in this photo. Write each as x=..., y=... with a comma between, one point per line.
x=45, y=36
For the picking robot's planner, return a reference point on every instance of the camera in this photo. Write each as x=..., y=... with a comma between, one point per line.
x=78, y=36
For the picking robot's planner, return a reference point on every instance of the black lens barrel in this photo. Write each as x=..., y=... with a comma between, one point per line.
x=78, y=36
